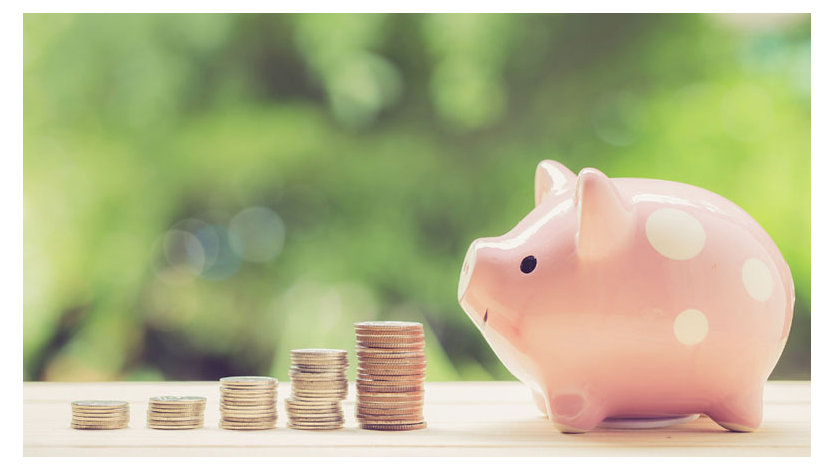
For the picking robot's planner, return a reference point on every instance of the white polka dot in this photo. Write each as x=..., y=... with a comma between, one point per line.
x=675, y=234
x=691, y=326
x=757, y=279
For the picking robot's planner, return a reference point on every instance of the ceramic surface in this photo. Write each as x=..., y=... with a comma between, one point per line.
x=632, y=298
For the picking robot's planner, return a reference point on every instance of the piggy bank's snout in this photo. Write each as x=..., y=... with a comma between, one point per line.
x=467, y=269
x=476, y=264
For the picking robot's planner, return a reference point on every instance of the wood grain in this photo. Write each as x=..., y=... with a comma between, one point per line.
x=464, y=419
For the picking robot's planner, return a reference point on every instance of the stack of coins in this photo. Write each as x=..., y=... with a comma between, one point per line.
x=100, y=414
x=319, y=385
x=390, y=374
x=176, y=412
x=248, y=403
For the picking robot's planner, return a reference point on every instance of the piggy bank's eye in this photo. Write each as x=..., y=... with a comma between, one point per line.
x=528, y=264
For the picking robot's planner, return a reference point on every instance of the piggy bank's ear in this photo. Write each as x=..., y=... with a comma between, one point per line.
x=552, y=178
x=605, y=220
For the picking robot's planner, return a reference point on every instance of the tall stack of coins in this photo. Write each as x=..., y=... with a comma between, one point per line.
x=248, y=403
x=176, y=412
x=319, y=385
x=100, y=414
x=390, y=374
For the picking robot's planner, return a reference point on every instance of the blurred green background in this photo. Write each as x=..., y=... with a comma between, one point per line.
x=204, y=192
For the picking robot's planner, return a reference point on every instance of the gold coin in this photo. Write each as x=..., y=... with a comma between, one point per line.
x=100, y=415
x=322, y=405
x=393, y=427
x=177, y=401
x=393, y=398
x=326, y=376
x=161, y=426
x=370, y=363
x=391, y=413
x=296, y=417
x=76, y=422
x=369, y=354
x=99, y=428
x=378, y=347
x=237, y=427
x=264, y=415
x=307, y=427
x=391, y=376
x=165, y=407
x=173, y=418
x=391, y=372
x=393, y=380
x=99, y=404
x=261, y=401
x=101, y=412
x=319, y=393
x=193, y=420
x=394, y=421
x=233, y=408
x=389, y=407
x=316, y=419
x=249, y=424
x=375, y=388
x=248, y=397
x=171, y=410
x=312, y=401
x=409, y=333
x=405, y=417
x=329, y=398
x=318, y=383
x=295, y=404
x=388, y=357
x=248, y=390
x=390, y=339
x=99, y=423
x=390, y=332
x=389, y=324
x=318, y=360
x=390, y=363
x=319, y=352
x=173, y=414
x=400, y=409
x=249, y=400
x=249, y=416
x=248, y=405
x=248, y=381
x=324, y=370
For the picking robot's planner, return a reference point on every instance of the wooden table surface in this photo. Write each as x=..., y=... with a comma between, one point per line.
x=464, y=419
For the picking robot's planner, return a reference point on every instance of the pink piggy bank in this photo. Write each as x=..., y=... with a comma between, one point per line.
x=627, y=298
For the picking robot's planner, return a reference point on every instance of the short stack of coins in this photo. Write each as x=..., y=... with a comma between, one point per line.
x=391, y=369
x=169, y=412
x=100, y=414
x=248, y=403
x=319, y=385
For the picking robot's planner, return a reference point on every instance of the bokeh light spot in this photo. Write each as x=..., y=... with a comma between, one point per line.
x=257, y=234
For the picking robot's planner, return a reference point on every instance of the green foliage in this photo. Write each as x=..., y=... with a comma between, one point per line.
x=381, y=145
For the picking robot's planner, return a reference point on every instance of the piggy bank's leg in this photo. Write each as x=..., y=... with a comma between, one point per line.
x=740, y=412
x=574, y=412
x=540, y=401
